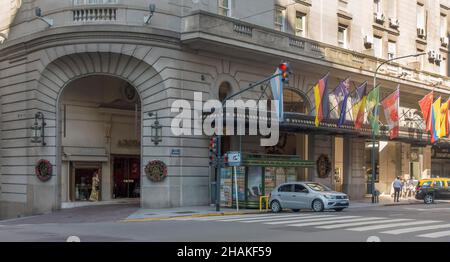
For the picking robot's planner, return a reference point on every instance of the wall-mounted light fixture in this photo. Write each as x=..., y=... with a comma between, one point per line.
x=151, y=8
x=38, y=13
x=38, y=129
x=156, y=132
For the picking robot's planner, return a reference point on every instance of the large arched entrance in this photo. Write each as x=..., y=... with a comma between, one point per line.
x=100, y=130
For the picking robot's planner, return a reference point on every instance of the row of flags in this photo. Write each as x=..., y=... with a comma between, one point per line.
x=436, y=116
x=361, y=102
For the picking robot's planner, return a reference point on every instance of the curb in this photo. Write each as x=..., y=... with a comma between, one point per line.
x=189, y=216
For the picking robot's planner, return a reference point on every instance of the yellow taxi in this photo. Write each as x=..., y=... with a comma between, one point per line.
x=431, y=189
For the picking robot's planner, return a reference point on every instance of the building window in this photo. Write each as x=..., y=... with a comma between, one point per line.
x=378, y=46
x=294, y=102
x=300, y=24
x=343, y=36
x=378, y=6
x=443, y=65
x=392, y=49
x=224, y=91
x=443, y=26
x=280, y=19
x=225, y=7
x=420, y=17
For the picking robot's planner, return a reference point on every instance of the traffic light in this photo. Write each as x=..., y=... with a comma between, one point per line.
x=212, y=151
x=285, y=71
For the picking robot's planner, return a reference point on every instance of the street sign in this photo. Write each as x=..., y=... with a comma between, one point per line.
x=234, y=158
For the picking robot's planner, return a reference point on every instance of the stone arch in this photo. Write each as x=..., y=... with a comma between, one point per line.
x=224, y=78
x=301, y=95
x=61, y=70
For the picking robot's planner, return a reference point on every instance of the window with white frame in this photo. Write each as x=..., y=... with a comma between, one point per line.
x=225, y=7
x=343, y=36
x=392, y=49
x=378, y=46
x=420, y=16
x=300, y=24
x=378, y=6
x=95, y=2
x=280, y=18
x=444, y=24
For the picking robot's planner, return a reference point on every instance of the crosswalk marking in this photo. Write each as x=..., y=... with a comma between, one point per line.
x=436, y=235
x=364, y=223
x=292, y=221
x=376, y=227
x=220, y=218
x=414, y=229
x=334, y=222
x=256, y=218
x=304, y=218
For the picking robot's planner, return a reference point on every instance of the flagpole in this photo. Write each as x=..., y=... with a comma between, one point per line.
x=376, y=108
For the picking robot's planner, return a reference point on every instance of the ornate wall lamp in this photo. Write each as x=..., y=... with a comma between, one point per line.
x=151, y=9
x=156, y=132
x=38, y=129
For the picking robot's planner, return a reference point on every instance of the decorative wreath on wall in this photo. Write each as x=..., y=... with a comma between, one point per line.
x=43, y=170
x=323, y=166
x=156, y=171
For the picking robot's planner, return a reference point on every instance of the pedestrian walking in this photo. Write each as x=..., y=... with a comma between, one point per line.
x=397, y=189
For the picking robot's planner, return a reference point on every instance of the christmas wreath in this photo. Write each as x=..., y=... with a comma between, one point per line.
x=156, y=171
x=43, y=170
x=323, y=166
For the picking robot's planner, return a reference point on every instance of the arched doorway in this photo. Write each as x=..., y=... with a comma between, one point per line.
x=100, y=130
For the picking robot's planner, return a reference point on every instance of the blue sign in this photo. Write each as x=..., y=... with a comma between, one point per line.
x=234, y=158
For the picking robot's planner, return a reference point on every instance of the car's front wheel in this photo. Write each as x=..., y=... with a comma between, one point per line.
x=428, y=199
x=276, y=207
x=317, y=205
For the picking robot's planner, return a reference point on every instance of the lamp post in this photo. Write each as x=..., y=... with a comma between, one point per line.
x=372, y=180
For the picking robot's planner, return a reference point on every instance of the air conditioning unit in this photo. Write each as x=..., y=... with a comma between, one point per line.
x=432, y=56
x=379, y=18
x=394, y=23
x=444, y=41
x=368, y=41
x=421, y=33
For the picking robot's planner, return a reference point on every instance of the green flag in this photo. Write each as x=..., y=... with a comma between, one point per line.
x=373, y=110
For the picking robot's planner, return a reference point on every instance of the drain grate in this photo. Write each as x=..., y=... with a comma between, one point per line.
x=185, y=212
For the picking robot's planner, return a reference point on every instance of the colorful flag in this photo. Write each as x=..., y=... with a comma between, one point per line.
x=321, y=99
x=341, y=94
x=373, y=105
x=425, y=106
x=391, y=108
x=277, y=91
x=444, y=120
x=436, y=121
x=359, y=105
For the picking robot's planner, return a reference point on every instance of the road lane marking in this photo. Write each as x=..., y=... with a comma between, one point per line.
x=335, y=222
x=436, y=235
x=414, y=229
x=304, y=218
x=237, y=216
x=364, y=223
x=376, y=227
x=291, y=221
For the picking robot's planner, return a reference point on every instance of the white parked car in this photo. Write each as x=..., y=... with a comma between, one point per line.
x=307, y=195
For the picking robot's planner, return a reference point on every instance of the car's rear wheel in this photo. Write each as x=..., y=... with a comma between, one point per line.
x=276, y=206
x=317, y=206
x=428, y=199
x=295, y=210
x=338, y=209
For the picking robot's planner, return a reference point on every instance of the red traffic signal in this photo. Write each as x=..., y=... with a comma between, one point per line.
x=284, y=67
x=285, y=71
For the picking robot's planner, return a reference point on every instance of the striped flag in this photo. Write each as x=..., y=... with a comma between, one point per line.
x=341, y=94
x=277, y=92
x=321, y=99
x=359, y=105
x=436, y=120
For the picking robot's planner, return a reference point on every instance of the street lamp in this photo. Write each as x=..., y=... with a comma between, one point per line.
x=156, y=132
x=372, y=182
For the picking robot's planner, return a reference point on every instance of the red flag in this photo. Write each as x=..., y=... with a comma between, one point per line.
x=425, y=106
x=390, y=106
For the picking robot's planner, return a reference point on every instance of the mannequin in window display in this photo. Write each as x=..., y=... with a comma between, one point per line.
x=95, y=187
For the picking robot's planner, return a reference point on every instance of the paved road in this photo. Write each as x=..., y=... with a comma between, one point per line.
x=402, y=223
